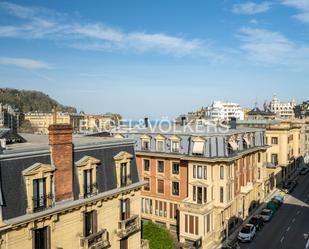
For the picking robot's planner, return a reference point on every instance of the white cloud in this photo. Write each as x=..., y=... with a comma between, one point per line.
x=302, y=6
x=251, y=8
x=272, y=48
x=41, y=24
x=24, y=63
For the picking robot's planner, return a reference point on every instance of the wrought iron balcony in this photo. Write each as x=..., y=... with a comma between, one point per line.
x=97, y=240
x=128, y=226
x=42, y=202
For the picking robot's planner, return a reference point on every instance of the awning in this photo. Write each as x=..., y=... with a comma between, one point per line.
x=234, y=145
x=247, y=141
x=198, y=147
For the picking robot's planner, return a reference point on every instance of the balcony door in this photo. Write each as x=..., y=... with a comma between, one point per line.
x=199, y=195
x=124, y=243
x=124, y=209
x=39, y=194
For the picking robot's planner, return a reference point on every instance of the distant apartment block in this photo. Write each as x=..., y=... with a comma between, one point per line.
x=217, y=111
x=99, y=123
x=284, y=153
x=41, y=121
x=302, y=110
x=9, y=117
x=282, y=109
x=200, y=181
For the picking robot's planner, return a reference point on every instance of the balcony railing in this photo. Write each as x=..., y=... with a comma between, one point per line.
x=40, y=203
x=97, y=240
x=128, y=226
x=90, y=190
x=273, y=164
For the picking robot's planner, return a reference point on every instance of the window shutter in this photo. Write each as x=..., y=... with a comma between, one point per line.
x=84, y=224
x=128, y=208
x=48, y=240
x=94, y=221
x=33, y=238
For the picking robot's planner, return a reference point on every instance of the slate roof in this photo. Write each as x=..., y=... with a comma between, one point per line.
x=19, y=157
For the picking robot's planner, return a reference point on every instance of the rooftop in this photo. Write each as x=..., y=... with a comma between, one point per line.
x=193, y=130
x=36, y=143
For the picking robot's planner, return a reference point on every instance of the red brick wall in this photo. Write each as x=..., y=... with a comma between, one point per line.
x=60, y=141
x=167, y=177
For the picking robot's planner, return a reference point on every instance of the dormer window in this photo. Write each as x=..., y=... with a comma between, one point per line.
x=123, y=166
x=160, y=143
x=198, y=146
x=40, y=187
x=87, y=176
x=39, y=194
x=175, y=144
x=145, y=142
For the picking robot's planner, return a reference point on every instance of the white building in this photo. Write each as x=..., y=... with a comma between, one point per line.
x=224, y=111
x=282, y=109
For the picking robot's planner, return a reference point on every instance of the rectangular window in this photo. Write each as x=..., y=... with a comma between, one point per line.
x=274, y=140
x=147, y=186
x=194, y=171
x=125, y=209
x=196, y=225
x=41, y=238
x=274, y=159
x=124, y=243
x=221, y=195
x=146, y=165
x=205, y=172
x=145, y=145
x=39, y=194
x=208, y=223
x=205, y=195
x=161, y=186
x=175, y=188
x=186, y=223
x=90, y=223
x=199, y=195
x=160, y=166
x=123, y=174
x=199, y=172
x=87, y=182
x=191, y=224
x=259, y=157
x=175, y=146
x=221, y=172
x=175, y=168
x=160, y=146
x=194, y=193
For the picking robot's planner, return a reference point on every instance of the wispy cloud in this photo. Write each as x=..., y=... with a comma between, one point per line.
x=24, y=63
x=273, y=48
x=302, y=6
x=40, y=23
x=251, y=8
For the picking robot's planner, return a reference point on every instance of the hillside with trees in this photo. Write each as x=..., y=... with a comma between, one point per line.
x=30, y=101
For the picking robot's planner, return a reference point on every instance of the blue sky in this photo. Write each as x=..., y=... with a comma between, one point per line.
x=156, y=58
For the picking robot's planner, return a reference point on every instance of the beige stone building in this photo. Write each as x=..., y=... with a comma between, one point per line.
x=284, y=154
x=54, y=195
x=99, y=123
x=203, y=181
x=41, y=121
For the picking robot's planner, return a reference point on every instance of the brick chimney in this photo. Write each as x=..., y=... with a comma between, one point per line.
x=60, y=141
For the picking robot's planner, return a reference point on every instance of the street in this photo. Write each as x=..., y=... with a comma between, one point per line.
x=289, y=227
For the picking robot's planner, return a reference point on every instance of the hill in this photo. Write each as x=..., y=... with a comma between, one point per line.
x=30, y=101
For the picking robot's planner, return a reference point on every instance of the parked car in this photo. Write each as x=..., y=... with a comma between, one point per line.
x=247, y=233
x=279, y=198
x=290, y=186
x=257, y=221
x=266, y=214
x=304, y=171
x=277, y=202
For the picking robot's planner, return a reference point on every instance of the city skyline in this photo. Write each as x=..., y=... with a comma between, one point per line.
x=158, y=59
